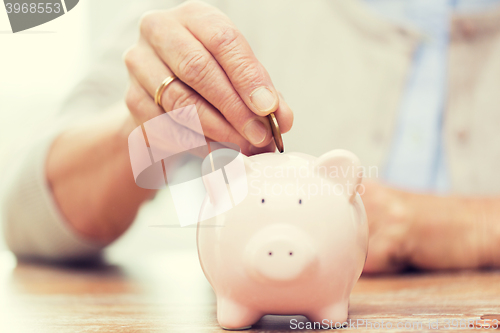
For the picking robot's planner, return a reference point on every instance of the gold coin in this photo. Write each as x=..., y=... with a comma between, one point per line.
x=276, y=132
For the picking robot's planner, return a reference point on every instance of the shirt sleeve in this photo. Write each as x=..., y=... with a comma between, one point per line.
x=32, y=224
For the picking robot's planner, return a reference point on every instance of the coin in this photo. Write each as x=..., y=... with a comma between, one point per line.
x=276, y=132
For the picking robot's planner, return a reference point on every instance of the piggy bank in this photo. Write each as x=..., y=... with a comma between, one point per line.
x=295, y=245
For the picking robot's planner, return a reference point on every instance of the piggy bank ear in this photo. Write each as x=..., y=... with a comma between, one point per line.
x=224, y=177
x=341, y=167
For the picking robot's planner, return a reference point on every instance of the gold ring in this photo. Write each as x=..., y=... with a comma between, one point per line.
x=162, y=88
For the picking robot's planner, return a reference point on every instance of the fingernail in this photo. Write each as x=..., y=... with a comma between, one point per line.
x=263, y=99
x=255, y=131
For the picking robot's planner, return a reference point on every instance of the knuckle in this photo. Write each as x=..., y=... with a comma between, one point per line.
x=148, y=22
x=193, y=5
x=242, y=67
x=224, y=40
x=195, y=67
x=177, y=96
x=248, y=73
x=130, y=57
x=233, y=102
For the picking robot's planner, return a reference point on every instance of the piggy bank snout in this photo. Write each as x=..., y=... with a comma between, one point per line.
x=281, y=254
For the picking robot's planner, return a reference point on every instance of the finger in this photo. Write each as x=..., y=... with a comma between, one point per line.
x=143, y=109
x=377, y=263
x=149, y=71
x=195, y=66
x=234, y=54
x=381, y=256
x=139, y=103
x=270, y=148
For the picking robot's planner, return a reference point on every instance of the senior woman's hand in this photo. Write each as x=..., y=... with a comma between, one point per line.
x=88, y=168
x=218, y=73
x=429, y=232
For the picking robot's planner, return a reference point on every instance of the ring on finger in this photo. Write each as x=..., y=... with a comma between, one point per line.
x=162, y=87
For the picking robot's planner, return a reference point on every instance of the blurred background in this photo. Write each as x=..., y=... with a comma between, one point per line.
x=38, y=68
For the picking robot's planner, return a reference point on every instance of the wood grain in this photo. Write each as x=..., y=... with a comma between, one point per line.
x=167, y=292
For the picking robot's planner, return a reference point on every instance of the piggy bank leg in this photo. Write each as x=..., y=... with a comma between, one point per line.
x=334, y=313
x=234, y=316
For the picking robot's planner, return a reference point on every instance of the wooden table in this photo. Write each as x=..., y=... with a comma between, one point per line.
x=166, y=291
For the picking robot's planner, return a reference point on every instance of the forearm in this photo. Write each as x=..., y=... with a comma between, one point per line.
x=89, y=173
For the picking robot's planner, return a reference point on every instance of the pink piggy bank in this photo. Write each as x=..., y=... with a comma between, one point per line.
x=295, y=245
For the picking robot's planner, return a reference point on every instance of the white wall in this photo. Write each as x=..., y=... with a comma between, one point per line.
x=37, y=68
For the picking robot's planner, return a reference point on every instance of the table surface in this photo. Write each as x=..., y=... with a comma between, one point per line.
x=151, y=281
x=167, y=292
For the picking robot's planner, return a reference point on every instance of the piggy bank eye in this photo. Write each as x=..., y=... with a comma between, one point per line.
x=263, y=200
x=300, y=201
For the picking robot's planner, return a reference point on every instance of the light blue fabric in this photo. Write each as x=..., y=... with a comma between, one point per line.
x=417, y=159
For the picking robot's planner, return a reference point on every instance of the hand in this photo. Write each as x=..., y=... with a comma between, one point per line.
x=389, y=219
x=429, y=232
x=218, y=73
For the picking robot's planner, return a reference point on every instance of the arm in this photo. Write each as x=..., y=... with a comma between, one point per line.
x=87, y=168
x=90, y=177
x=35, y=221
x=68, y=195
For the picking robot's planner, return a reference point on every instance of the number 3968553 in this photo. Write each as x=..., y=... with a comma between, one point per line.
x=34, y=8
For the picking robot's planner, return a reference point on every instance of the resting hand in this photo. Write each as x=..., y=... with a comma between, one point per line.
x=426, y=231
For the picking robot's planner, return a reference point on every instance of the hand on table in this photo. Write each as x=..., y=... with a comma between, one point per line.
x=429, y=232
x=218, y=73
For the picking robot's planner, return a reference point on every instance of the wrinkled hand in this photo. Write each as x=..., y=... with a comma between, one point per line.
x=218, y=73
x=389, y=220
x=427, y=231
